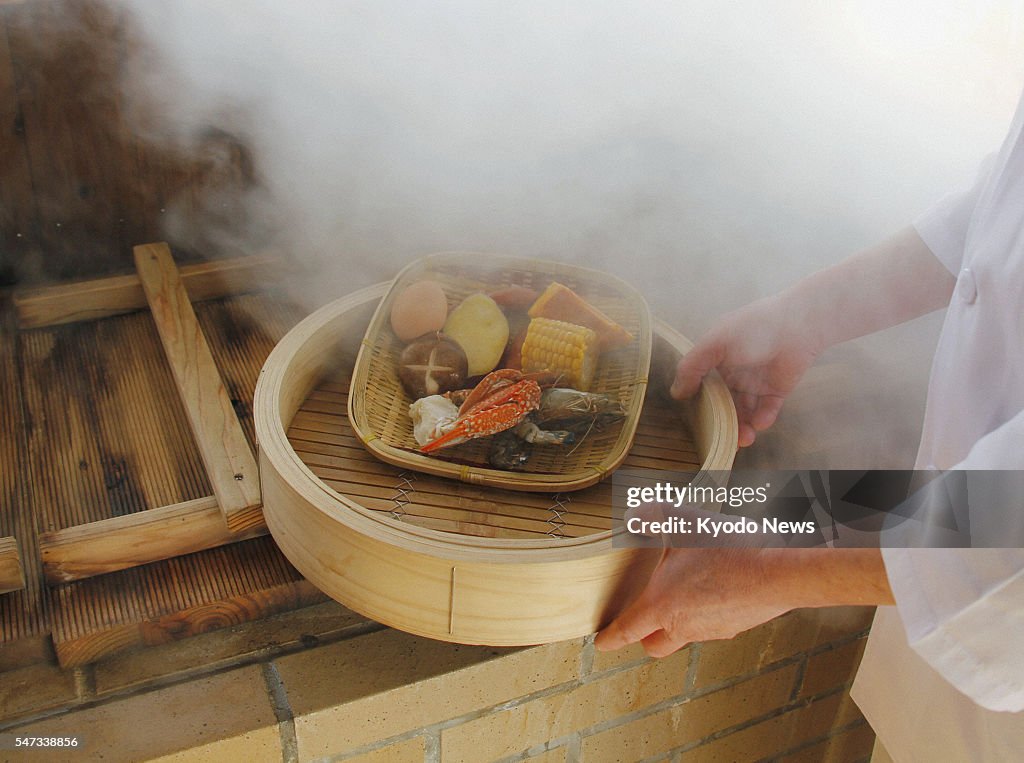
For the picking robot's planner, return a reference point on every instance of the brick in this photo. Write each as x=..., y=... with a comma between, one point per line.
x=221, y=648
x=692, y=720
x=557, y=755
x=409, y=751
x=847, y=713
x=832, y=668
x=35, y=688
x=629, y=655
x=743, y=655
x=780, y=639
x=531, y=723
x=804, y=629
x=261, y=746
x=846, y=747
x=775, y=735
x=224, y=717
x=361, y=690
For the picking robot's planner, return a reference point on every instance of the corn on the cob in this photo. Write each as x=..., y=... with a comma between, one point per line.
x=562, y=348
x=563, y=304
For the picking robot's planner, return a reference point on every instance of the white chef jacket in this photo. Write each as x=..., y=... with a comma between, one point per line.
x=943, y=674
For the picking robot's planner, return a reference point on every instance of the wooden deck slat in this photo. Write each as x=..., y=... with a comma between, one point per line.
x=24, y=626
x=174, y=599
x=105, y=297
x=135, y=539
x=229, y=461
x=12, y=574
x=111, y=425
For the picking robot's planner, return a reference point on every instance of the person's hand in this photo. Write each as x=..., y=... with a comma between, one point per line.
x=694, y=595
x=761, y=351
x=703, y=594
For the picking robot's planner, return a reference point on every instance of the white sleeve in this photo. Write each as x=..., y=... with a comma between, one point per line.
x=963, y=609
x=944, y=226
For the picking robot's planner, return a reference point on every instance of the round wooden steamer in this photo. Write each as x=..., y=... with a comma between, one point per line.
x=444, y=585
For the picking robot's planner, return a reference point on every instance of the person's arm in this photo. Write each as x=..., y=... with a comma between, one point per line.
x=762, y=352
x=728, y=591
x=888, y=284
x=764, y=349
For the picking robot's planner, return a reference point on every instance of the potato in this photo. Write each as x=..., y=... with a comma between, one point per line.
x=481, y=329
x=420, y=308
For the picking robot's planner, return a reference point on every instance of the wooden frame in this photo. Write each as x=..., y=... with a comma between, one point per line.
x=12, y=575
x=117, y=295
x=147, y=536
x=443, y=585
x=222, y=445
x=163, y=532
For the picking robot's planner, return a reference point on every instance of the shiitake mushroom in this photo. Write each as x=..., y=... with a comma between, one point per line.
x=432, y=365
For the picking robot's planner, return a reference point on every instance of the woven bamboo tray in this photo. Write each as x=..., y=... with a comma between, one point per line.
x=378, y=411
x=438, y=557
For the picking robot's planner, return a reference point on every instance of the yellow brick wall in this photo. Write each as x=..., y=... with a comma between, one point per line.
x=779, y=691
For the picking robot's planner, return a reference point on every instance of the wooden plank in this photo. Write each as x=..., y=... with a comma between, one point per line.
x=134, y=539
x=222, y=444
x=187, y=622
x=108, y=436
x=24, y=620
x=116, y=295
x=174, y=599
x=140, y=434
x=241, y=333
x=109, y=439
x=12, y=576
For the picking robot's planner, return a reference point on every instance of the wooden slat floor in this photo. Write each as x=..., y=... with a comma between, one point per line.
x=93, y=428
x=23, y=622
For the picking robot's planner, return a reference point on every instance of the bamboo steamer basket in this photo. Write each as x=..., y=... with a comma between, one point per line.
x=441, y=558
x=378, y=407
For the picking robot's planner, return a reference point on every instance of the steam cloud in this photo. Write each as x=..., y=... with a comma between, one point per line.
x=707, y=152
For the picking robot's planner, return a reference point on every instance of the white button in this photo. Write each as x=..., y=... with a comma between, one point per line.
x=966, y=287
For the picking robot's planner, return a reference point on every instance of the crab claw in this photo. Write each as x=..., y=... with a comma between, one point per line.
x=482, y=424
x=490, y=385
x=500, y=410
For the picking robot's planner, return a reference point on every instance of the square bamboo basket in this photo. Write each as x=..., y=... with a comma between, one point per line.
x=378, y=406
x=439, y=557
